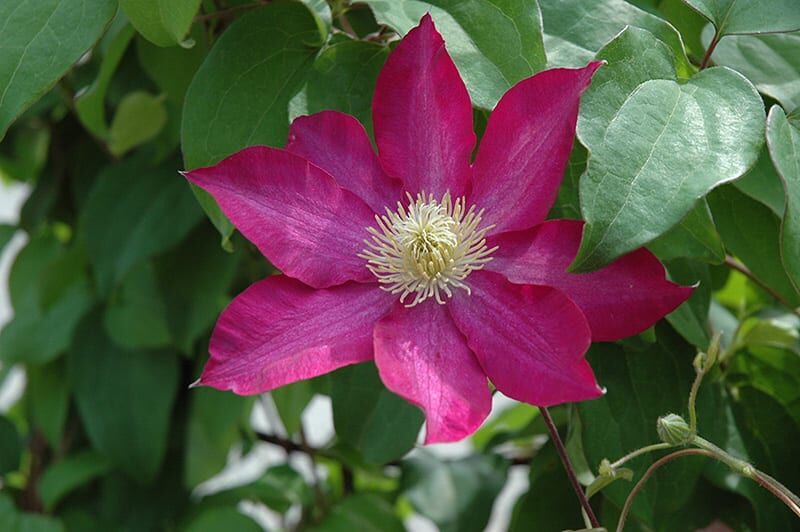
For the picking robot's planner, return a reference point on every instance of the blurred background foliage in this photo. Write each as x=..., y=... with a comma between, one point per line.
x=121, y=276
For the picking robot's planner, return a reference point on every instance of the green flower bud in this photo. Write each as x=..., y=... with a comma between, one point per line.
x=673, y=429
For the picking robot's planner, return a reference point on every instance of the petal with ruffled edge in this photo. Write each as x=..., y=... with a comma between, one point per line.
x=300, y=219
x=338, y=143
x=530, y=340
x=526, y=146
x=422, y=115
x=423, y=357
x=622, y=299
x=280, y=331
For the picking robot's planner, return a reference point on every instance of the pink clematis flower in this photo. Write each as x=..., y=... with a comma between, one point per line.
x=441, y=271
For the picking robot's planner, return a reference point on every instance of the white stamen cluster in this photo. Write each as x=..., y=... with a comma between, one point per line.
x=427, y=248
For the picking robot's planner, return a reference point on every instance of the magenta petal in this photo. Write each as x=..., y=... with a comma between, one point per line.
x=530, y=340
x=300, y=219
x=280, y=331
x=622, y=299
x=338, y=143
x=422, y=357
x=524, y=151
x=422, y=115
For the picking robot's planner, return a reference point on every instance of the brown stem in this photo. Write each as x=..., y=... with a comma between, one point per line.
x=346, y=26
x=778, y=490
x=573, y=479
x=711, y=46
x=734, y=264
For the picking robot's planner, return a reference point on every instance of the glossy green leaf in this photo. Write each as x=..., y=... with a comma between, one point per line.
x=12, y=519
x=344, y=79
x=369, y=417
x=279, y=488
x=694, y=237
x=643, y=385
x=774, y=371
x=124, y=398
x=50, y=293
x=10, y=446
x=215, y=519
x=221, y=113
x=457, y=495
x=508, y=422
x=164, y=22
x=136, y=315
x=638, y=185
x=364, y=512
x=194, y=296
x=752, y=232
x=771, y=62
x=749, y=16
x=215, y=420
x=41, y=40
x=783, y=140
x=691, y=318
x=134, y=212
x=90, y=103
x=63, y=477
x=760, y=431
x=47, y=398
x=763, y=184
x=139, y=118
x=291, y=401
x=576, y=29
x=172, y=68
x=494, y=43
x=549, y=502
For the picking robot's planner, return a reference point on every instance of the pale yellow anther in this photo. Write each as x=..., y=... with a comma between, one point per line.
x=426, y=248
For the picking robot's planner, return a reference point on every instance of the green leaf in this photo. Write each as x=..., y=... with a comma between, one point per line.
x=63, y=477
x=691, y=318
x=508, y=422
x=575, y=29
x=638, y=185
x=56, y=295
x=218, y=115
x=136, y=316
x=749, y=16
x=139, y=118
x=774, y=371
x=643, y=385
x=364, y=512
x=694, y=237
x=10, y=446
x=752, y=232
x=215, y=519
x=783, y=140
x=369, y=417
x=549, y=501
x=457, y=495
x=759, y=430
x=172, y=68
x=47, y=398
x=193, y=297
x=567, y=204
x=494, y=43
x=279, y=488
x=344, y=79
x=291, y=401
x=164, y=22
x=215, y=419
x=134, y=212
x=763, y=184
x=771, y=62
x=90, y=103
x=41, y=40
x=124, y=398
x=15, y=521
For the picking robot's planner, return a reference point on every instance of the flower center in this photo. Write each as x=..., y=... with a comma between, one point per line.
x=427, y=248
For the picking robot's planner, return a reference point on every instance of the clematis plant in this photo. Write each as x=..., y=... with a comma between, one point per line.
x=443, y=271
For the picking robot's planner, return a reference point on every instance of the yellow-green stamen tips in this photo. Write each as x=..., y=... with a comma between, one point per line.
x=427, y=248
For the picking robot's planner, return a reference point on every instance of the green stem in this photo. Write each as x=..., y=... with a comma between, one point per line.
x=638, y=452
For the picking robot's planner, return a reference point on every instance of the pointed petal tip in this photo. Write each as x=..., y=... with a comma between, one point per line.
x=197, y=384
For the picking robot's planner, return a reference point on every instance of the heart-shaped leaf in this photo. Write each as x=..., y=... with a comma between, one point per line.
x=749, y=16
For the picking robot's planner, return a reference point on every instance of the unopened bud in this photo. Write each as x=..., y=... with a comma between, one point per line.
x=672, y=429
